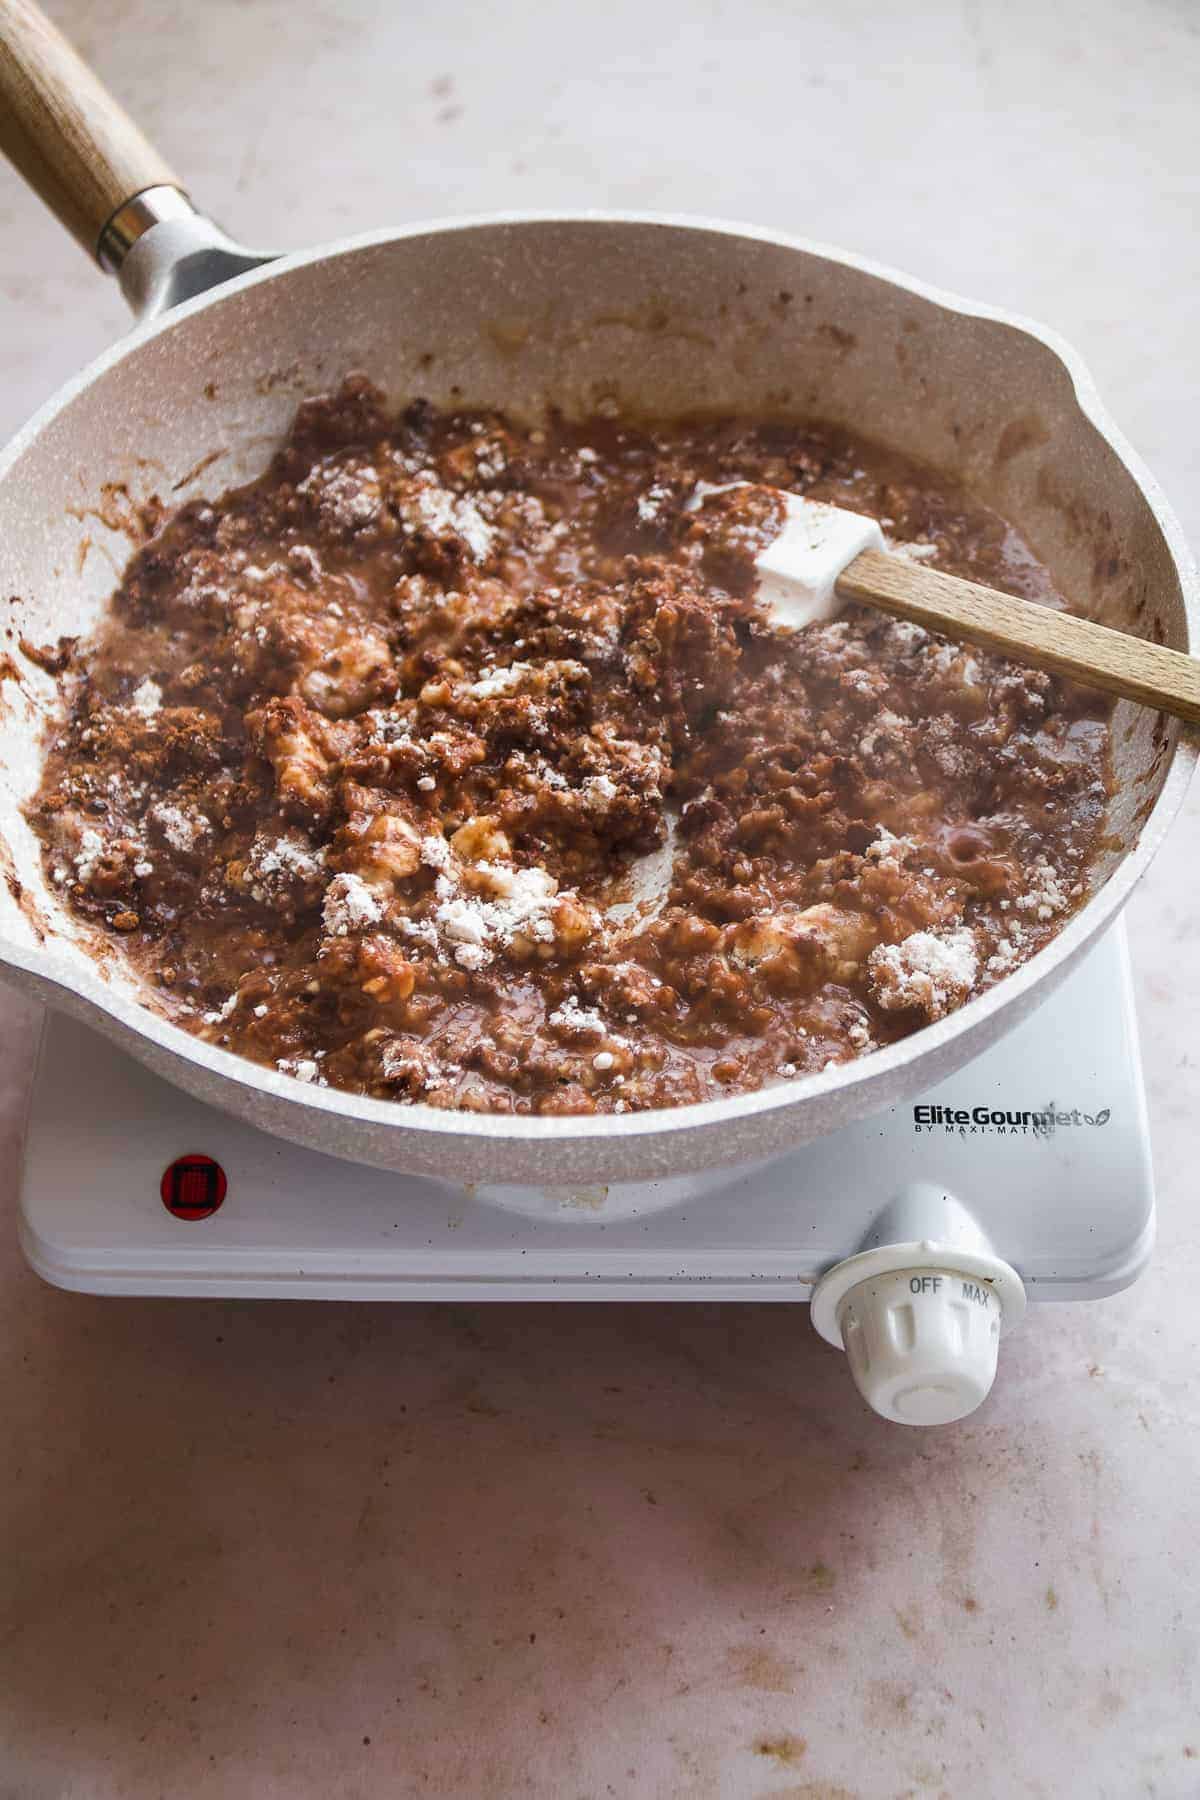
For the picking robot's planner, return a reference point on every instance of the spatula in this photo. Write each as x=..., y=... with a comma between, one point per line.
x=824, y=556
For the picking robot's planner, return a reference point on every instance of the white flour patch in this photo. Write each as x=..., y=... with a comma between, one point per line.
x=1046, y=895
x=570, y=1016
x=521, y=905
x=90, y=854
x=276, y=864
x=350, y=906
x=499, y=681
x=146, y=698
x=929, y=972
x=431, y=507
x=182, y=831
x=303, y=1068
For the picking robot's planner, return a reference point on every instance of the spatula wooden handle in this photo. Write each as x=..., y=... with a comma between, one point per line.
x=1057, y=641
x=64, y=131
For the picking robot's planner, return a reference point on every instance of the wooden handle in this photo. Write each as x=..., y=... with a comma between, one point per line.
x=64, y=131
x=1057, y=641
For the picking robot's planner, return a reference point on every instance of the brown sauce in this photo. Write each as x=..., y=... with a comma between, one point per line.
x=364, y=766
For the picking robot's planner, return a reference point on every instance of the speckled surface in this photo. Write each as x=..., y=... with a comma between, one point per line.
x=292, y=1550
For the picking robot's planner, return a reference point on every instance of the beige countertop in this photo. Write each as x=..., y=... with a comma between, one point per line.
x=292, y=1549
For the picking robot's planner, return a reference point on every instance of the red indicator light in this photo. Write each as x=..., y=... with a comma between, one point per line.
x=193, y=1187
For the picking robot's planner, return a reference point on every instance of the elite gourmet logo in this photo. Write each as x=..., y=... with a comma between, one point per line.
x=996, y=1121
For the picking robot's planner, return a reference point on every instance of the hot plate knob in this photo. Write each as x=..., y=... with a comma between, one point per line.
x=920, y=1324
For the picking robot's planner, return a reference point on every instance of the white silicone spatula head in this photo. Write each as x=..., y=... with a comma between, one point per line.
x=799, y=569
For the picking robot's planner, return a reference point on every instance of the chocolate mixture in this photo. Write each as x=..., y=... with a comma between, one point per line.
x=377, y=762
